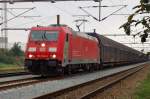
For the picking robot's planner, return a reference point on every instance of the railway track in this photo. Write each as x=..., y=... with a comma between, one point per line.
x=24, y=82
x=110, y=84
x=82, y=86
x=8, y=84
x=91, y=88
x=10, y=74
x=17, y=83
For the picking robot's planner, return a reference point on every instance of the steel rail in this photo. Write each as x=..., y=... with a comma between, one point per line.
x=24, y=82
x=16, y=83
x=10, y=74
x=16, y=80
x=61, y=92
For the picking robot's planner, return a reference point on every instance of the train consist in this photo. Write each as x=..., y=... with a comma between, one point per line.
x=59, y=49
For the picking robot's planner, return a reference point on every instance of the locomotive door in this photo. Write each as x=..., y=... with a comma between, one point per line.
x=66, y=47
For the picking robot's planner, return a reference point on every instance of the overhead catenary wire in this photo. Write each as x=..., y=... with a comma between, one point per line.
x=82, y=8
x=35, y=21
x=52, y=1
x=17, y=16
x=65, y=11
x=104, y=6
x=113, y=13
x=14, y=14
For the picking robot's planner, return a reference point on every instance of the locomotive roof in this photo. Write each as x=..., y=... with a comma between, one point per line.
x=63, y=26
x=84, y=35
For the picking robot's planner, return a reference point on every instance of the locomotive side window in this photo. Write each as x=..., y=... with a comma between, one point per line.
x=44, y=35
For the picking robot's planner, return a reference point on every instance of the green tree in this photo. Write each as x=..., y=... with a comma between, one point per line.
x=142, y=9
x=5, y=57
x=13, y=56
x=16, y=50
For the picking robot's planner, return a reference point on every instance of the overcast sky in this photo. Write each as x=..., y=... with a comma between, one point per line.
x=48, y=12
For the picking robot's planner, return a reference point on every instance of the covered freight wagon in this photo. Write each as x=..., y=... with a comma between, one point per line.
x=112, y=52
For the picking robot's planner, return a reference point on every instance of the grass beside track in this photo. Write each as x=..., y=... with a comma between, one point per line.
x=4, y=68
x=143, y=90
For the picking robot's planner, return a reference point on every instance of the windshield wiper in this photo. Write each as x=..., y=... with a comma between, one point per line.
x=45, y=35
x=42, y=37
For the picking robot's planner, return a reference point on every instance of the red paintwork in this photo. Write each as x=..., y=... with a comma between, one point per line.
x=80, y=48
x=83, y=49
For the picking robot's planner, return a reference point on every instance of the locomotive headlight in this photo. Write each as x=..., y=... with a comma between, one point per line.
x=31, y=49
x=43, y=44
x=30, y=56
x=53, y=56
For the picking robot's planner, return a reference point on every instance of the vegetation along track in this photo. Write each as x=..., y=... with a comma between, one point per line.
x=24, y=82
x=90, y=89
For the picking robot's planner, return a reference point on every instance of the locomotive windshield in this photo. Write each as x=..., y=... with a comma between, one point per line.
x=44, y=35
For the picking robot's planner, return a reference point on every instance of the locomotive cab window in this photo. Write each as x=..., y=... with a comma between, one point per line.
x=44, y=35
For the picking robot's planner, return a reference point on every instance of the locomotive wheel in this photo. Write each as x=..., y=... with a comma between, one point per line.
x=87, y=68
x=96, y=67
x=58, y=71
x=101, y=67
x=68, y=70
x=91, y=67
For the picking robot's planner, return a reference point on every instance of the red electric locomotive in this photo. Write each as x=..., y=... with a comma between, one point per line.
x=59, y=49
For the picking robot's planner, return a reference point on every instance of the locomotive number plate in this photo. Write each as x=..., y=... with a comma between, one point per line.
x=42, y=49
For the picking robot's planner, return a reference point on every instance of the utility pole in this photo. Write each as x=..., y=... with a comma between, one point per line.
x=4, y=33
x=5, y=20
x=100, y=3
